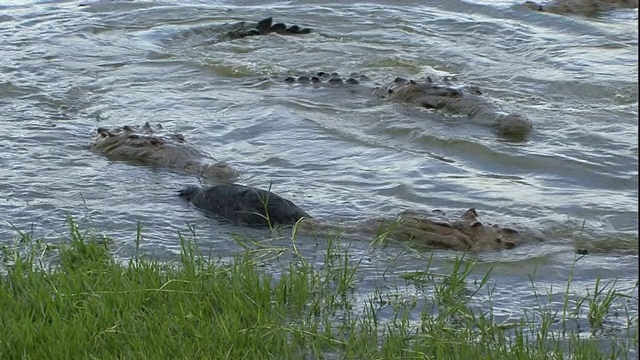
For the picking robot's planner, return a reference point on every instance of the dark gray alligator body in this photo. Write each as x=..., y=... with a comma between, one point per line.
x=211, y=34
x=244, y=205
x=439, y=95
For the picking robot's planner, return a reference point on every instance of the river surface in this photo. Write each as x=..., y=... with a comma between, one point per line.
x=67, y=69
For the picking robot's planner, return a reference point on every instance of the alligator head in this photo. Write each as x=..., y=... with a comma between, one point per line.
x=464, y=233
x=463, y=100
x=152, y=145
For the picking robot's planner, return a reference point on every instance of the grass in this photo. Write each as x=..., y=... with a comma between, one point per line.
x=72, y=300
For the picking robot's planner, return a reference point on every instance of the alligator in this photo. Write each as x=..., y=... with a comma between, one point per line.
x=237, y=30
x=581, y=6
x=155, y=146
x=244, y=205
x=441, y=95
x=250, y=206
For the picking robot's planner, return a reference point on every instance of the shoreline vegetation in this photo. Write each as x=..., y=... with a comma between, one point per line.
x=73, y=300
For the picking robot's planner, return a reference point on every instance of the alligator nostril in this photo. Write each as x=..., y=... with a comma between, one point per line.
x=498, y=240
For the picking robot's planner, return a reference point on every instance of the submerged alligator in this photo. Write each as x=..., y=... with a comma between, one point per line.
x=249, y=206
x=155, y=146
x=581, y=6
x=226, y=32
x=439, y=95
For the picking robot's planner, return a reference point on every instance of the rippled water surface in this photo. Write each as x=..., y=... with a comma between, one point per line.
x=67, y=69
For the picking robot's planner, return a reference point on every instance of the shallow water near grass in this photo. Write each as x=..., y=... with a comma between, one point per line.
x=68, y=69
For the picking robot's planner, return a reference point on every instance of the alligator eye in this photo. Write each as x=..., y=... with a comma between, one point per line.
x=509, y=244
x=476, y=224
x=134, y=136
x=443, y=224
x=154, y=141
x=498, y=240
x=454, y=93
x=429, y=79
x=390, y=91
x=510, y=231
x=399, y=80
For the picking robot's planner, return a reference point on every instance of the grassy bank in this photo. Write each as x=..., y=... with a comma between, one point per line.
x=83, y=304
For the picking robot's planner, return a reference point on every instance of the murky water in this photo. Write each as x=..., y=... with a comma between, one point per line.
x=66, y=70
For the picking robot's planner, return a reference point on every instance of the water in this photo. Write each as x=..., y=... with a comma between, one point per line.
x=66, y=70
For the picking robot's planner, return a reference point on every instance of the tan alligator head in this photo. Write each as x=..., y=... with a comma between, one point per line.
x=464, y=233
x=156, y=146
x=461, y=100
